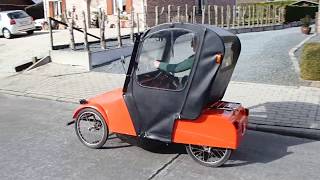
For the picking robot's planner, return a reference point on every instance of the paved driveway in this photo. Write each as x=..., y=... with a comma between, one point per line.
x=264, y=57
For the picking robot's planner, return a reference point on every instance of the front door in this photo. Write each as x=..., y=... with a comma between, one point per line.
x=160, y=80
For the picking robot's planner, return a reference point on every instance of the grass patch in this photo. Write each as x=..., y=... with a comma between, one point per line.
x=310, y=62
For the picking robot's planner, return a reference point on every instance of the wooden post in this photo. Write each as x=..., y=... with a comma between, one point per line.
x=178, y=13
x=274, y=15
x=132, y=24
x=249, y=15
x=222, y=16
x=156, y=10
x=194, y=14
x=50, y=33
x=169, y=13
x=228, y=16
x=118, y=26
x=86, y=44
x=239, y=15
x=282, y=15
x=186, y=13
x=203, y=14
x=269, y=14
x=145, y=10
x=209, y=14
x=233, y=16
x=279, y=15
x=262, y=14
x=243, y=16
x=138, y=23
x=254, y=15
x=102, y=29
x=216, y=15
x=70, y=24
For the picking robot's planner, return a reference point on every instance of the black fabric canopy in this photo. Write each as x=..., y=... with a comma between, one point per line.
x=154, y=110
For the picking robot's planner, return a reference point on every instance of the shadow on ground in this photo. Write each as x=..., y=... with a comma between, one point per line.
x=36, y=33
x=257, y=147
x=264, y=148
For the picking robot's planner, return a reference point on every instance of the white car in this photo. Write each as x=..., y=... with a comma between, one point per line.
x=14, y=22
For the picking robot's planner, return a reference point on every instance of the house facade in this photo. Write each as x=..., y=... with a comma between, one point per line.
x=145, y=8
x=6, y=5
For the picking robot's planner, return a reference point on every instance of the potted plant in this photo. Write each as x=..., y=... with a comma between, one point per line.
x=306, y=21
x=124, y=21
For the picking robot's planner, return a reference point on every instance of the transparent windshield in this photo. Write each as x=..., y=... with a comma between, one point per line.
x=166, y=59
x=17, y=15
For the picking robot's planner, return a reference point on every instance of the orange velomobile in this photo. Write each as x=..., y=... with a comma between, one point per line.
x=176, y=79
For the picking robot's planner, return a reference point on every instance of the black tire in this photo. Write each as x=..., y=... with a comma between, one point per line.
x=30, y=32
x=6, y=33
x=204, y=160
x=96, y=120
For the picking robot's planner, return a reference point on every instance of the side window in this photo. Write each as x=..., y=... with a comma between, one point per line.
x=228, y=58
x=166, y=59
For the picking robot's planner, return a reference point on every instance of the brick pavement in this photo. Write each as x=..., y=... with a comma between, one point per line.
x=271, y=105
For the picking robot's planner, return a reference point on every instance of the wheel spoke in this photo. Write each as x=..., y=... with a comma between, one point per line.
x=209, y=155
x=90, y=128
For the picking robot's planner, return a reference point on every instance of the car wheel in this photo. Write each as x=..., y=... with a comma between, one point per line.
x=30, y=32
x=6, y=33
x=208, y=156
x=91, y=128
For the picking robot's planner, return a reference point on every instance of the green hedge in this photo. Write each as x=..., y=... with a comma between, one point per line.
x=274, y=3
x=295, y=13
x=310, y=61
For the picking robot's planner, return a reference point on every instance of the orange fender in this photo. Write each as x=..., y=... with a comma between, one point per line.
x=112, y=107
x=213, y=128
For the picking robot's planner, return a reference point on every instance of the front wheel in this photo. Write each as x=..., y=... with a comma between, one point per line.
x=30, y=32
x=91, y=128
x=6, y=33
x=208, y=156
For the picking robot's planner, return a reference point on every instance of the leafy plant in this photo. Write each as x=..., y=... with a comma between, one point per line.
x=306, y=21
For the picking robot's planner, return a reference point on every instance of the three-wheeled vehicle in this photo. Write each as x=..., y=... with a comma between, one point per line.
x=176, y=79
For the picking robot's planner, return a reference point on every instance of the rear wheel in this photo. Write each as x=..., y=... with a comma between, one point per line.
x=6, y=33
x=30, y=32
x=91, y=128
x=208, y=156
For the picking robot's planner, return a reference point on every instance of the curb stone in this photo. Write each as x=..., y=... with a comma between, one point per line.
x=292, y=56
x=287, y=131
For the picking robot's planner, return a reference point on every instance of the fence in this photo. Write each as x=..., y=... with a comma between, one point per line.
x=221, y=16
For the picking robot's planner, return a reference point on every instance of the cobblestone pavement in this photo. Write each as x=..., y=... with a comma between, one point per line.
x=278, y=105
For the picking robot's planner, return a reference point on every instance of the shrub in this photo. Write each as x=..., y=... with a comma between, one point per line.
x=310, y=61
x=306, y=21
x=295, y=13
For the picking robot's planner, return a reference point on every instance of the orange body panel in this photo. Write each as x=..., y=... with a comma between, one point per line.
x=215, y=128
x=114, y=110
